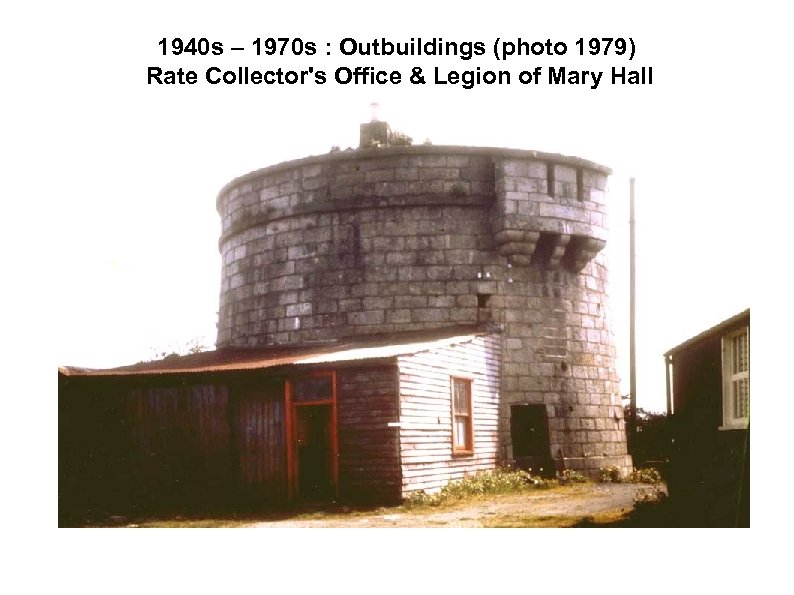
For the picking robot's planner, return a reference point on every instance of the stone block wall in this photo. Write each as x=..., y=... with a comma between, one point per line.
x=394, y=239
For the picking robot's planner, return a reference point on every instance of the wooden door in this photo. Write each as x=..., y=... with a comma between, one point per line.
x=312, y=453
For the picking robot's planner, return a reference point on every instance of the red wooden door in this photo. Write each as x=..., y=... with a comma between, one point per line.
x=312, y=453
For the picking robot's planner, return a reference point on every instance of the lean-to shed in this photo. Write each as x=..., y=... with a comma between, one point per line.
x=370, y=419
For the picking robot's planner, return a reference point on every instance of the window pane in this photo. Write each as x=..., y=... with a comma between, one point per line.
x=312, y=388
x=744, y=359
x=461, y=395
x=734, y=356
x=461, y=414
x=741, y=397
x=460, y=432
x=740, y=353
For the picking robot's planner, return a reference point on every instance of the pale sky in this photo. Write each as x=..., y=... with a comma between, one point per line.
x=110, y=230
x=138, y=167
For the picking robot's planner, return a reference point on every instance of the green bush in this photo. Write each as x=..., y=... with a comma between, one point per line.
x=540, y=484
x=645, y=475
x=498, y=481
x=421, y=499
x=400, y=139
x=571, y=476
x=458, y=189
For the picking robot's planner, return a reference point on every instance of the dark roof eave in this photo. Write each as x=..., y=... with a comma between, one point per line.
x=710, y=331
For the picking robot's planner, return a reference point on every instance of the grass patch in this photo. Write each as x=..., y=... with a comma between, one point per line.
x=224, y=520
x=207, y=523
x=528, y=521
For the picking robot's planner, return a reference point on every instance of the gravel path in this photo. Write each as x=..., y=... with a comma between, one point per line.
x=573, y=501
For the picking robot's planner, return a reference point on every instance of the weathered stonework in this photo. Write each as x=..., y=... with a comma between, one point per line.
x=404, y=238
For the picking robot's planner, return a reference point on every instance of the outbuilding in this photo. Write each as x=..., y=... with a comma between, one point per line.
x=371, y=419
x=708, y=405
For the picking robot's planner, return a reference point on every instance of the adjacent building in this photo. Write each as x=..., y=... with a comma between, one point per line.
x=708, y=378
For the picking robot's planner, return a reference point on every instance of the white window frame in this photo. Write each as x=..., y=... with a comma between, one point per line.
x=729, y=421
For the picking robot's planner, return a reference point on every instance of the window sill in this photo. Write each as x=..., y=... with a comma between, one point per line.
x=462, y=453
x=742, y=426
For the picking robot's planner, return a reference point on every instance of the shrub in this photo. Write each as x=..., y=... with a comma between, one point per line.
x=650, y=495
x=458, y=189
x=541, y=484
x=422, y=498
x=400, y=139
x=498, y=481
x=571, y=476
x=644, y=475
x=609, y=475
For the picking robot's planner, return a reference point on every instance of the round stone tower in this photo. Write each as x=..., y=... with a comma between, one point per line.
x=386, y=239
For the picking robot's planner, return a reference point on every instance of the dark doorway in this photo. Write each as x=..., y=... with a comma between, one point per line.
x=314, y=449
x=529, y=430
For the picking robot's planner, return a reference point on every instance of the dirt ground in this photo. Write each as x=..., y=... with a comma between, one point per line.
x=555, y=507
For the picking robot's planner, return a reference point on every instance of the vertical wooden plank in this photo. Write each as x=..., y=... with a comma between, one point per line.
x=196, y=412
x=272, y=440
x=281, y=452
x=204, y=437
x=269, y=441
x=288, y=423
x=244, y=423
x=239, y=415
x=261, y=452
x=260, y=431
x=153, y=415
x=334, y=435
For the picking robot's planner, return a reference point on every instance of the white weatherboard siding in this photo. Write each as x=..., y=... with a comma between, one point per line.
x=426, y=412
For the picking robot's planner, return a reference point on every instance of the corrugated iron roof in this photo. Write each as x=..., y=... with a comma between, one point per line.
x=376, y=347
x=714, y=329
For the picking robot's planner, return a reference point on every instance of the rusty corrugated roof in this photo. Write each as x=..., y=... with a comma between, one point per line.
x=239, y=359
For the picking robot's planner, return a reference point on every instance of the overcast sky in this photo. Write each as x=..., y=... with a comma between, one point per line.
x=110, y=230
x=136, y=168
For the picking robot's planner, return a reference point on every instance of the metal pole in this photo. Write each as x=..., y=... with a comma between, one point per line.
x=668, y=363
x=632, y=326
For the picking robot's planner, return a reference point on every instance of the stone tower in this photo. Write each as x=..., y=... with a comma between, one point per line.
x=386, y=239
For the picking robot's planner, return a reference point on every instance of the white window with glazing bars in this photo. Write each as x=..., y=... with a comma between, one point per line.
x=462, y=426
x=736, y=380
